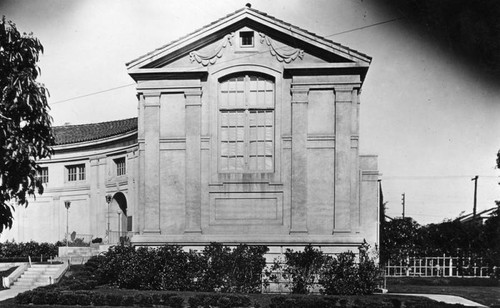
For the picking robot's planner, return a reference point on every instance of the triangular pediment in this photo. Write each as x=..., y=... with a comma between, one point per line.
x=273, y=37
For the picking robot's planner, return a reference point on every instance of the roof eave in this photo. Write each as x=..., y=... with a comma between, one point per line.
x=94, y=142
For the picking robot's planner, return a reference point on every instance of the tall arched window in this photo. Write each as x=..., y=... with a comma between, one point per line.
x=246, y=124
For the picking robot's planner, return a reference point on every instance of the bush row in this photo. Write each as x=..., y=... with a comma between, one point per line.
x=216, y=268
x=219, y=300
x=92, y=298
x=368, y=301
x=343, y=274
x=11, y=250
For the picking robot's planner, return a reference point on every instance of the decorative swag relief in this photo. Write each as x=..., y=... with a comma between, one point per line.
x=217, y=53
x=281, y=55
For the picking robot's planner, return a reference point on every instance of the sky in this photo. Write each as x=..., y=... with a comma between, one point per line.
x=432, y=118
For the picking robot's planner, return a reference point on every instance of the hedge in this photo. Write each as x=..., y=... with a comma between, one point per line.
x=217, y=268
x=308, y=301
x=88, y=298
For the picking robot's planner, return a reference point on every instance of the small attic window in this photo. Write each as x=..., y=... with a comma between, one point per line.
x=246, y=38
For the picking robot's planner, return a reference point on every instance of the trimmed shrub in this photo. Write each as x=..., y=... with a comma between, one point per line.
x=300, y=269
x=343, y=276
x=340, y=275
x=219, y=300
x=38, y=298
x=67, y=298
x=51, y=298
x=113, y=299
x=99, y=299
x=175, y=302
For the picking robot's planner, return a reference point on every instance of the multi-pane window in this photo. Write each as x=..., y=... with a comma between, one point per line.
x=76, y=172
x=43, y=175
x=246, y=38
x=246, y=124
x=121, y=167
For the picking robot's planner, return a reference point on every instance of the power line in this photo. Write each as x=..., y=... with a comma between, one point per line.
x=369, y=26
x=93, y=93
x=246, y=56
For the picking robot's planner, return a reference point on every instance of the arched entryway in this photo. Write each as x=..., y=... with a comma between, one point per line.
x=117, y=218
x=121, y=212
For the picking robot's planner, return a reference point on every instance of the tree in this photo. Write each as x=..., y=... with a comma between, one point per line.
x=25, y=125
x=400, y=240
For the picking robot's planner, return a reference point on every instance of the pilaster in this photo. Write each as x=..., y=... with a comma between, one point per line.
x=299, y=160
x=193, y=161
x=343, y=114
x=151, y=162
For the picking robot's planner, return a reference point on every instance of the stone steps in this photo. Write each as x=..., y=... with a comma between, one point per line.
x=38, y=275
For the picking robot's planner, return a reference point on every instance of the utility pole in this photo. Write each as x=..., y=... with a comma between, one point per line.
x=403, y=198
x=475, y=197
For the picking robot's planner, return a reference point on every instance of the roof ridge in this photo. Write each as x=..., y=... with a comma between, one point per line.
x=88, y=124
x=68, y=134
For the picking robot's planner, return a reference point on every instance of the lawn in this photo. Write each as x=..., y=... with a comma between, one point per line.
x=487, y=296
x=481, y=290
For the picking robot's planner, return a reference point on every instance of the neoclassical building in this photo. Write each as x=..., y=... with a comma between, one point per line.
x=247, y=132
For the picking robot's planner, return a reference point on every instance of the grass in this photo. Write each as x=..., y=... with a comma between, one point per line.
x=482, y=292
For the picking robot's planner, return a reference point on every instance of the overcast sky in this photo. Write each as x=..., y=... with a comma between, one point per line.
x=433, y=119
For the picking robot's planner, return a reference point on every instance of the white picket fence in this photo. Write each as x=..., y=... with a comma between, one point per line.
x=445, y=266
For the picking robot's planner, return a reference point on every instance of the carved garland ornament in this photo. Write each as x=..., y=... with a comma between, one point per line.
x=217, y=53
x=281, y=55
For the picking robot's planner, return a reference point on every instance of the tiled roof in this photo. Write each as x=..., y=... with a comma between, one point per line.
x=87, y=132
x=260, y=13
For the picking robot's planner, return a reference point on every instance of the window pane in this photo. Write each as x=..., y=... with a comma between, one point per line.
x=268, y=163
x=232, y=93
x=120, y=166
x=81, y=173
x=43, y=175
x=247, y=133
x=76, y=173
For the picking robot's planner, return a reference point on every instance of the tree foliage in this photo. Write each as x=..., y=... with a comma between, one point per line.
x=25, y=125
x=404, y=238
x=400, y=239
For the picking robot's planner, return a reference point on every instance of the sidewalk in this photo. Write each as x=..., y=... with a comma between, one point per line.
x=10, y=293
x=449, y=299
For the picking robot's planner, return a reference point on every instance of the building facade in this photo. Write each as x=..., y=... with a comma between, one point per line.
x=247, y=132
x=90, y=162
